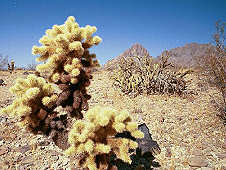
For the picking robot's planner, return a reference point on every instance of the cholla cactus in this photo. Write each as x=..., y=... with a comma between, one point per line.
x=35, y=100
x=94, y=136
x=66, y=49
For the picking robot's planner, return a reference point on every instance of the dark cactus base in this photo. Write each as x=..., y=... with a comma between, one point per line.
x=142, y=158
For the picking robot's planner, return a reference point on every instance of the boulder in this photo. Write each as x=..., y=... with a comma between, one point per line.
x=146, y=144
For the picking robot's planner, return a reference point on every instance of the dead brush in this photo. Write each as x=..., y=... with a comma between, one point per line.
x=212, y=67
x=137, y=75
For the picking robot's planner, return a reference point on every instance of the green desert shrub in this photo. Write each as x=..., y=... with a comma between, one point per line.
x=137, y=75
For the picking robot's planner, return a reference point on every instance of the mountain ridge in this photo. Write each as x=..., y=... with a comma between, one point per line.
x=183, y=55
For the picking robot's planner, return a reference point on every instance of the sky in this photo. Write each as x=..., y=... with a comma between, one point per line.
x=156, y=24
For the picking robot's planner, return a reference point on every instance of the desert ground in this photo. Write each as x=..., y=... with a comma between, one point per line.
x=187, y=129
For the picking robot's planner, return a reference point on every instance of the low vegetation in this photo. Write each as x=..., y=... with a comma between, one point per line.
x=137, y=75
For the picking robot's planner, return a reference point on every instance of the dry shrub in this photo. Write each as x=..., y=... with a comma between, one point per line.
x=212, y=66
x=3, y=62
x=31, y=66
x=136, y=75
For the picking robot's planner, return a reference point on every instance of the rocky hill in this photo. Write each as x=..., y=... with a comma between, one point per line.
x=134, y=50
x=185, y=55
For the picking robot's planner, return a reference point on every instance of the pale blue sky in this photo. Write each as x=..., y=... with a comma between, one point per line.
x=157, y=25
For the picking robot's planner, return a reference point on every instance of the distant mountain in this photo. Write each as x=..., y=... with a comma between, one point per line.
x=134, y=50
x=184, y=56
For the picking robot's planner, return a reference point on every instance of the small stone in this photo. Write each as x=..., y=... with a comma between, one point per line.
x=162, y=119
x=1, y=82
x=197, y=153
x=27, y=160
x=2, y=142
x=26, y=73
x=13, y=136
x=114, y=168
x=22, y=167
x=45, y=165
x=55, y=165
x=168, y=152
x=206, y=168
x=42, y=114
x=3, y=150
x=224, y=144
x=197, y=161
x=4, y=165
x=3, y=119
x=54, y=152
x=17, y=158
x=65, y=162
x=43, y=143
x=224, y=163
x=221, y=155
x=55, y=157
x=24, y=149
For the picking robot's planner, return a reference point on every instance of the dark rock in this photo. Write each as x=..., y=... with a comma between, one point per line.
x=2, y=82
x=42, y=114
x=26, y=73
x=3, y=119
x=44, y=143
x=147, y=144
x=61, y=139
x=143, y=158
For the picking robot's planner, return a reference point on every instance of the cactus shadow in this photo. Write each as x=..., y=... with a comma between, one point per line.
x=139, y=161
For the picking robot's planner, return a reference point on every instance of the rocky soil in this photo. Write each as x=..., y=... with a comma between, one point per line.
x=187, y=129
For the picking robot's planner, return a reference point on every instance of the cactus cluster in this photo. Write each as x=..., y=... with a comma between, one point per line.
x=136, y=75
x=66, y=49
x=95, y=136
x=34, y=103
x=65, y=52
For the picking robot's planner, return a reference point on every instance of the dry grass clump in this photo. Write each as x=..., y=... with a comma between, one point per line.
x=136, y=75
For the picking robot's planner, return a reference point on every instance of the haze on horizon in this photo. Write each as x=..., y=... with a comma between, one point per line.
x=158, y=26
